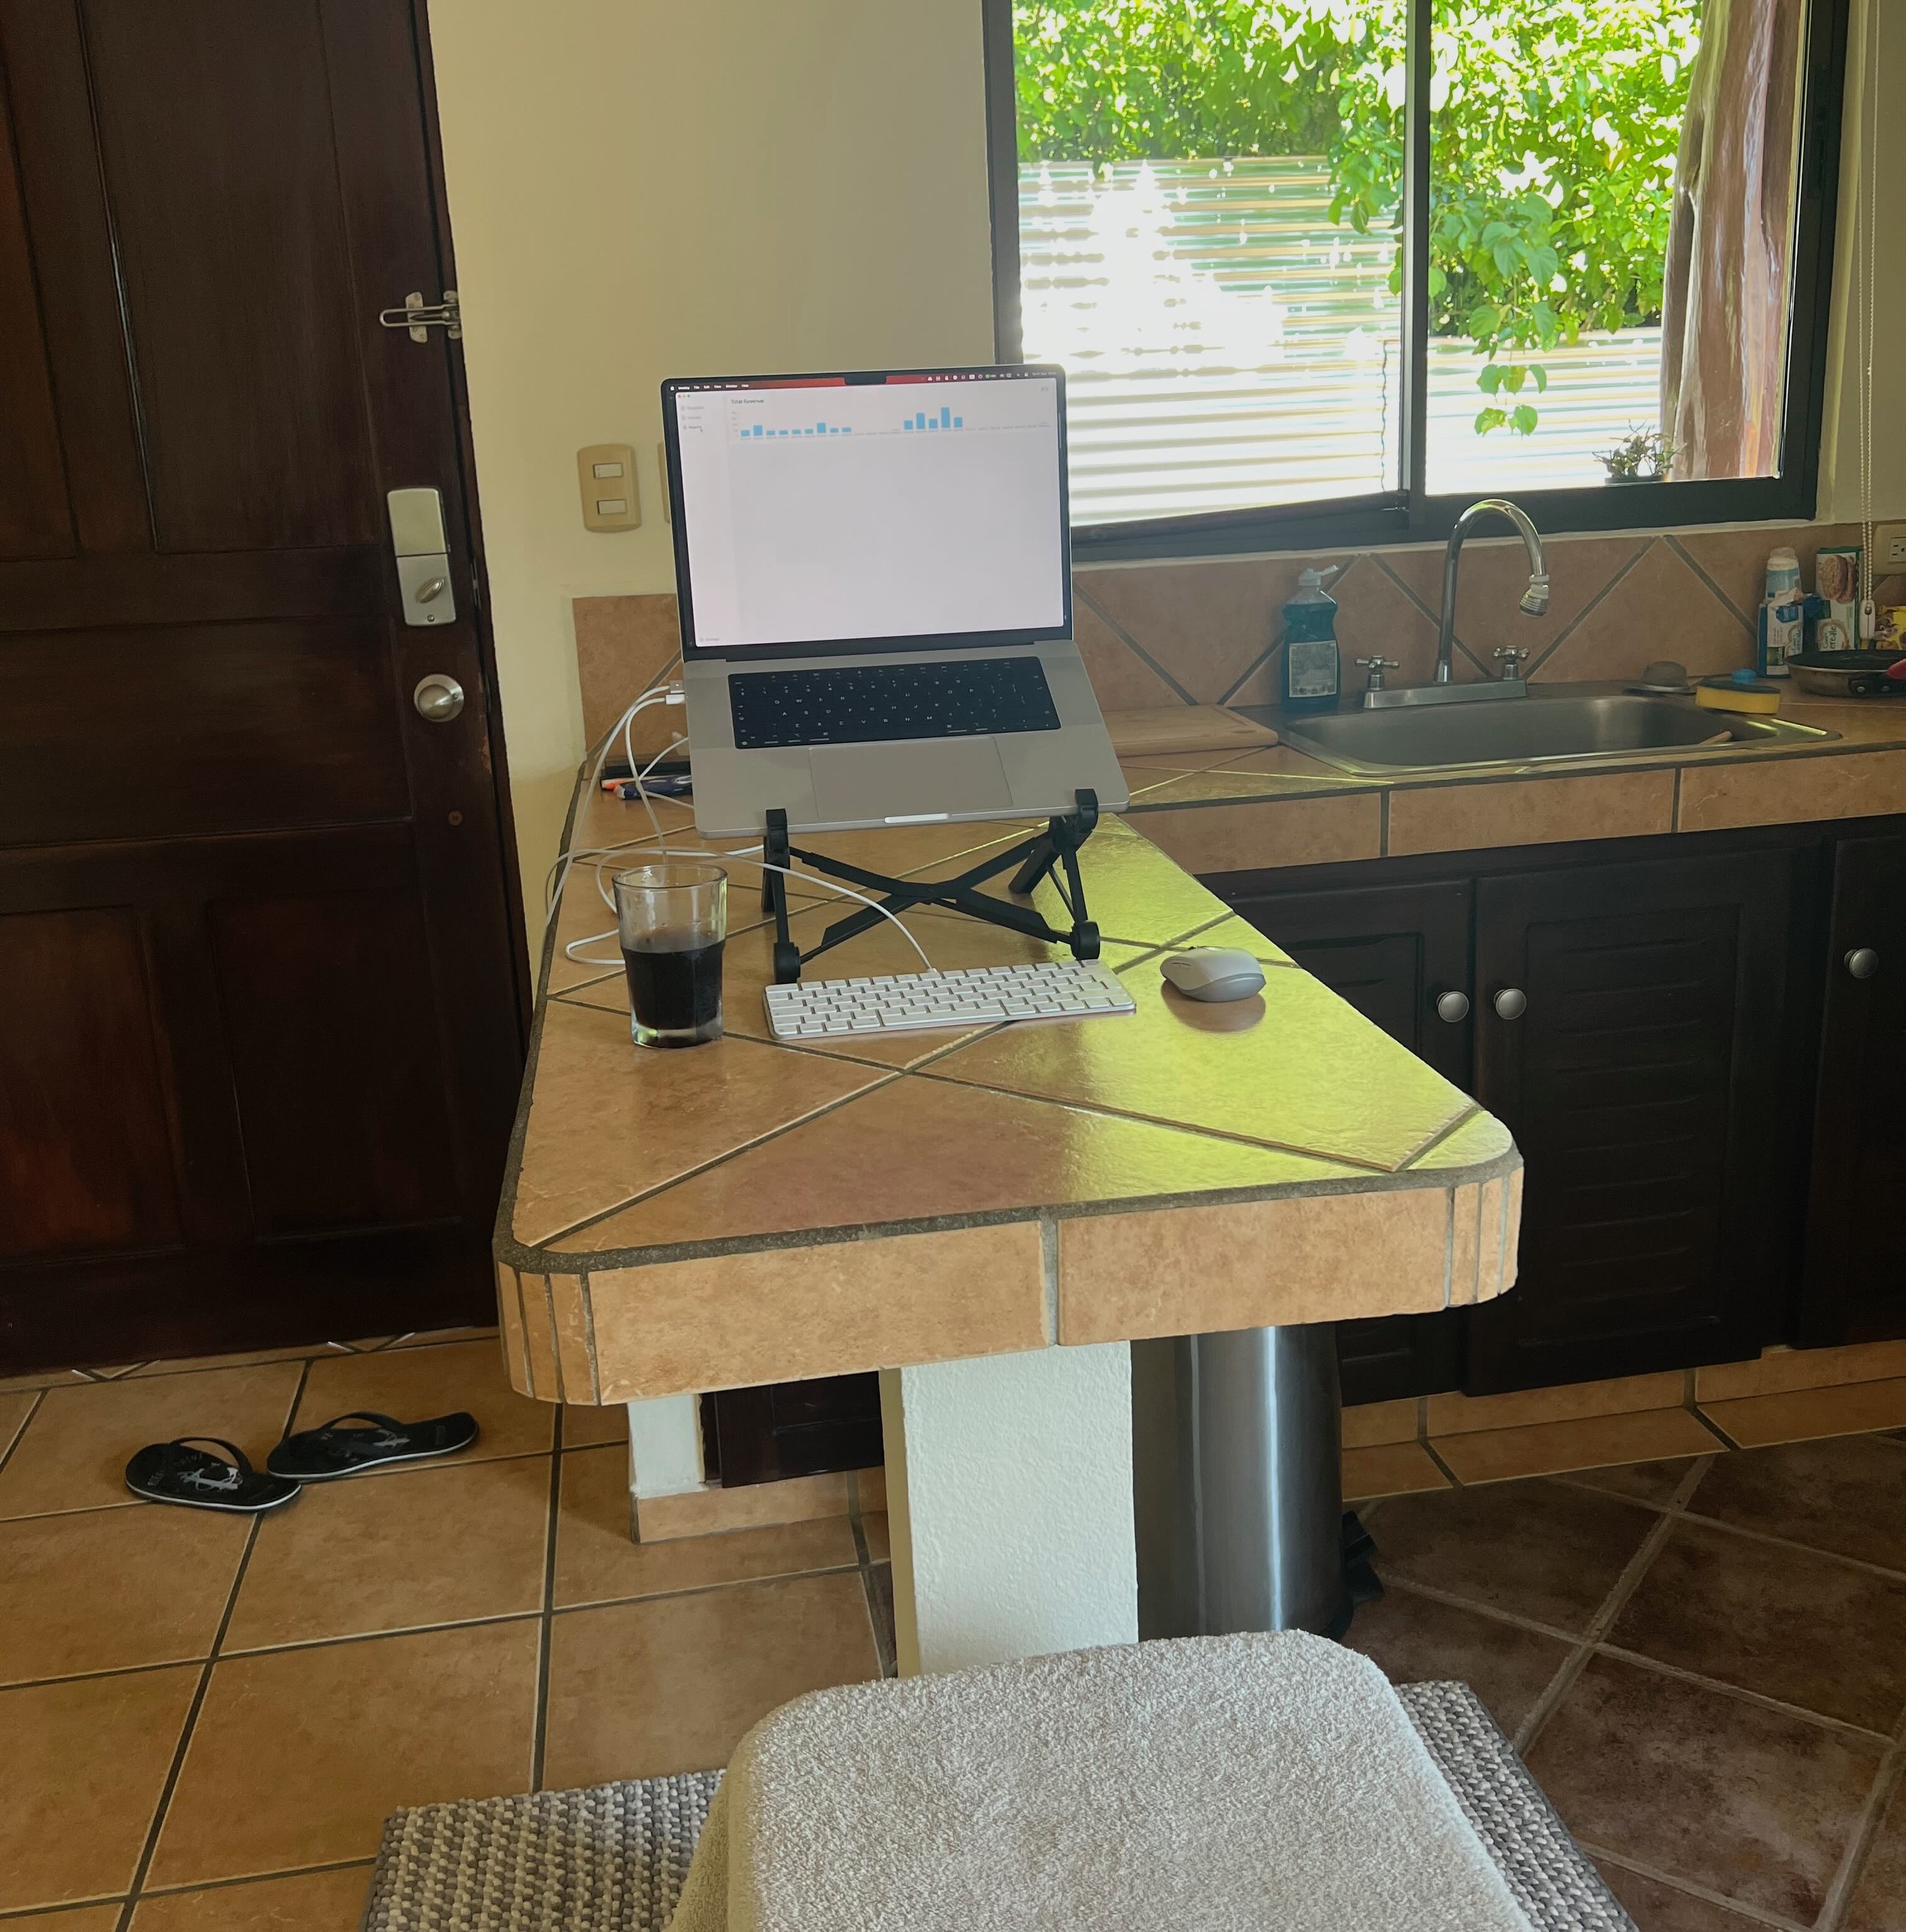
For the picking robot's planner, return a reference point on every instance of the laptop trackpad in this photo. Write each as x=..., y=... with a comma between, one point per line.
x=916, y=778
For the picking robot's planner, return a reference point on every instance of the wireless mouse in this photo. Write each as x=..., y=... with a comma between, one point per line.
x=1214, y=973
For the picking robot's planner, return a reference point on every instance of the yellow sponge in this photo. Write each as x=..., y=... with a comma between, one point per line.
x=1723, y=694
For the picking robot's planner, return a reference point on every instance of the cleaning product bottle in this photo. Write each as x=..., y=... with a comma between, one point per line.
x=1313, y=667
x=1780, y=613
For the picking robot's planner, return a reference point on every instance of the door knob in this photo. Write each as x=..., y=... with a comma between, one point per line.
x=1511, y=1004
x=437, y=697
x=1862, y=962
x=1452, y=1007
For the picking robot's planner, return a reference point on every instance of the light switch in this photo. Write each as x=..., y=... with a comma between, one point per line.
x=616, y=507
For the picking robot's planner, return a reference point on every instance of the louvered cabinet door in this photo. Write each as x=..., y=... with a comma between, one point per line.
x=1628, y=1021
x=1394, y=952
x=1854, y=1288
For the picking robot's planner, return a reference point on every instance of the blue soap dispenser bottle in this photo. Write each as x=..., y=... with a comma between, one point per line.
x=1312, y=667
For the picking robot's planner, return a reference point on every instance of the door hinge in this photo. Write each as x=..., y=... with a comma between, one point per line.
x=420, y=317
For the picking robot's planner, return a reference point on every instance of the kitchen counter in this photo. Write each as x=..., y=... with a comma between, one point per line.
x=990, y=1217
x=1209, y=813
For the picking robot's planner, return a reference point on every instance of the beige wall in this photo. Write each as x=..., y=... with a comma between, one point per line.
x=639, y=189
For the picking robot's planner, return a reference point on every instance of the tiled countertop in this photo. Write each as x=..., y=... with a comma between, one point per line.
x=747, y=1212
x=1209, y=812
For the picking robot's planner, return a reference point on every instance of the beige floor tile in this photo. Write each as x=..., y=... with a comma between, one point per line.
x=1754, y=1420
x=1595, y=1441
x=1371, y=1424
x=74, y=1453
x=331, y=1901
x=429, y=1338
x=1781, y=1370
x=299, y=1756
x=79, y=1918
x=640, y=1690
x=81, y=1770
x=187, y=1365
x=351, y=1558
x=1455, y=1414
x=712, y=1510
x=585, y=1426
x=880, y=1543
x=597, y=1560
x=39, y=1379
x=414, y=1384
x=111, y=1589
x=1390, y=1469
x=14, y=1409
x=872, y=1486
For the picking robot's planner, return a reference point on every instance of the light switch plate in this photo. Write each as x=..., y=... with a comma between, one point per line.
x=1890, y=546
x=606, y=473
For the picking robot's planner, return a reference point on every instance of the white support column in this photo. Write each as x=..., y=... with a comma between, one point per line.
x=665, y=1446
x=1009, y=1505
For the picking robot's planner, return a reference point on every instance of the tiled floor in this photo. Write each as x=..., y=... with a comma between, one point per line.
x=1702, y=1653
x=1703, y=1657
x=190, y=1702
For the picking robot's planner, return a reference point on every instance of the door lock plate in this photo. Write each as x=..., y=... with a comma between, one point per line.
x=423, y=557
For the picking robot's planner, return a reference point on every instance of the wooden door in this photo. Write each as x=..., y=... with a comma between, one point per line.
x=1854, y=1276
x=1392, y=952
x=1641, y=1083
x=258, y=968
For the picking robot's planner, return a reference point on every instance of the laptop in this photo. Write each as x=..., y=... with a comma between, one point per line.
x=874, y=573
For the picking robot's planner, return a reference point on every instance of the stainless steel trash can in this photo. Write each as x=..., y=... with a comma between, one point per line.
x=1237, y=1482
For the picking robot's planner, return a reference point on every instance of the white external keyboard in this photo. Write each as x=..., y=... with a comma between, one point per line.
x=900, y=1002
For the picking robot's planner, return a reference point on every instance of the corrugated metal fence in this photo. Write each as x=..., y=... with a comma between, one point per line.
x=1227, y=345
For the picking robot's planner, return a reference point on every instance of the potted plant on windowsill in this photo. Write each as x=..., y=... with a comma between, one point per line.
x=1642, y=456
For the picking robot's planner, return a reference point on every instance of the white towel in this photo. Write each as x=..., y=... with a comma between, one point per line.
x=1213, y=1784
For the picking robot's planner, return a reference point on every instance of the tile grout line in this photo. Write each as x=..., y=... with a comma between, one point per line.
x=167, y=1790
x=1581, y=617
x=26, y=1422
x=1624, y=1586
x=1741, y=1693
x=1693, y=1890
x=366, y=1865
x=1860, y=1840
x=545, y=1618
x=864, y=1567
x=1082, y=595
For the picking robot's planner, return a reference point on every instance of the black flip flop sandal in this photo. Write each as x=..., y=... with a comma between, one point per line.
x=318, y=1455
x=175, y=1472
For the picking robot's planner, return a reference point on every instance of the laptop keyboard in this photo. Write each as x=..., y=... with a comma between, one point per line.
x=860, y=704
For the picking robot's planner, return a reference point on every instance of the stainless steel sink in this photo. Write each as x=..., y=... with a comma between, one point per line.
x=1560, y=721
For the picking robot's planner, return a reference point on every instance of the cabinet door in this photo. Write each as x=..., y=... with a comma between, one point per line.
x=1391, y=952
x=1641, y=1081
x=1854, y=1277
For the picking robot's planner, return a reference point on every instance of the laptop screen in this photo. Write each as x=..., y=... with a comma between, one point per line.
x=896, y=510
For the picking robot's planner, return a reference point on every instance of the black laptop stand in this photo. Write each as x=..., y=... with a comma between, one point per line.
x=1055, y=848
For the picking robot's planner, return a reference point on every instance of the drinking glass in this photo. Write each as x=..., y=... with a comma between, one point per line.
x=673, y=919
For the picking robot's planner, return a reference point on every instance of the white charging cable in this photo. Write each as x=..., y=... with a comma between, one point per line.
x=674, y=694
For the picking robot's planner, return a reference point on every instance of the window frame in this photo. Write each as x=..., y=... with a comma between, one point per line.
x=1410, y=515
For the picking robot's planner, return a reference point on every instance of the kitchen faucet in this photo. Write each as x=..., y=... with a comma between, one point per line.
x=1534, y=603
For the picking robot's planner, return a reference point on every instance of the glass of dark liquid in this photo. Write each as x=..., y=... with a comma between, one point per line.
x=673, y=920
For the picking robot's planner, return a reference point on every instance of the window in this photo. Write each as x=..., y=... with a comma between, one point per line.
x=1329, y=270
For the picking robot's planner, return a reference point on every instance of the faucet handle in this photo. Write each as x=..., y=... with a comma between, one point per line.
x=1376, y=667
x=1512, y=660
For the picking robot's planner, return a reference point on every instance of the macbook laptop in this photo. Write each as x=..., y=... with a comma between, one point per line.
x=874, y=573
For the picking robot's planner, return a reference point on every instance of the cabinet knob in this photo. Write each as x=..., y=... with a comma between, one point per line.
x=1452, y=1007
x=1862, y=962
x=1511, y=1004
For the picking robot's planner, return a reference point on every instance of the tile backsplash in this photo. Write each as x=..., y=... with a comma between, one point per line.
x=1206, y=632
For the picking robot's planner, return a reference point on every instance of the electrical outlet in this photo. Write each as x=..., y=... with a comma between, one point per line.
x=1890, y=546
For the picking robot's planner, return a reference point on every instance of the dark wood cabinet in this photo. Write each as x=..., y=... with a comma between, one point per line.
x=1854, y=1273
x=1629, y=1033
x=792, y=1429
x=1393, y=952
